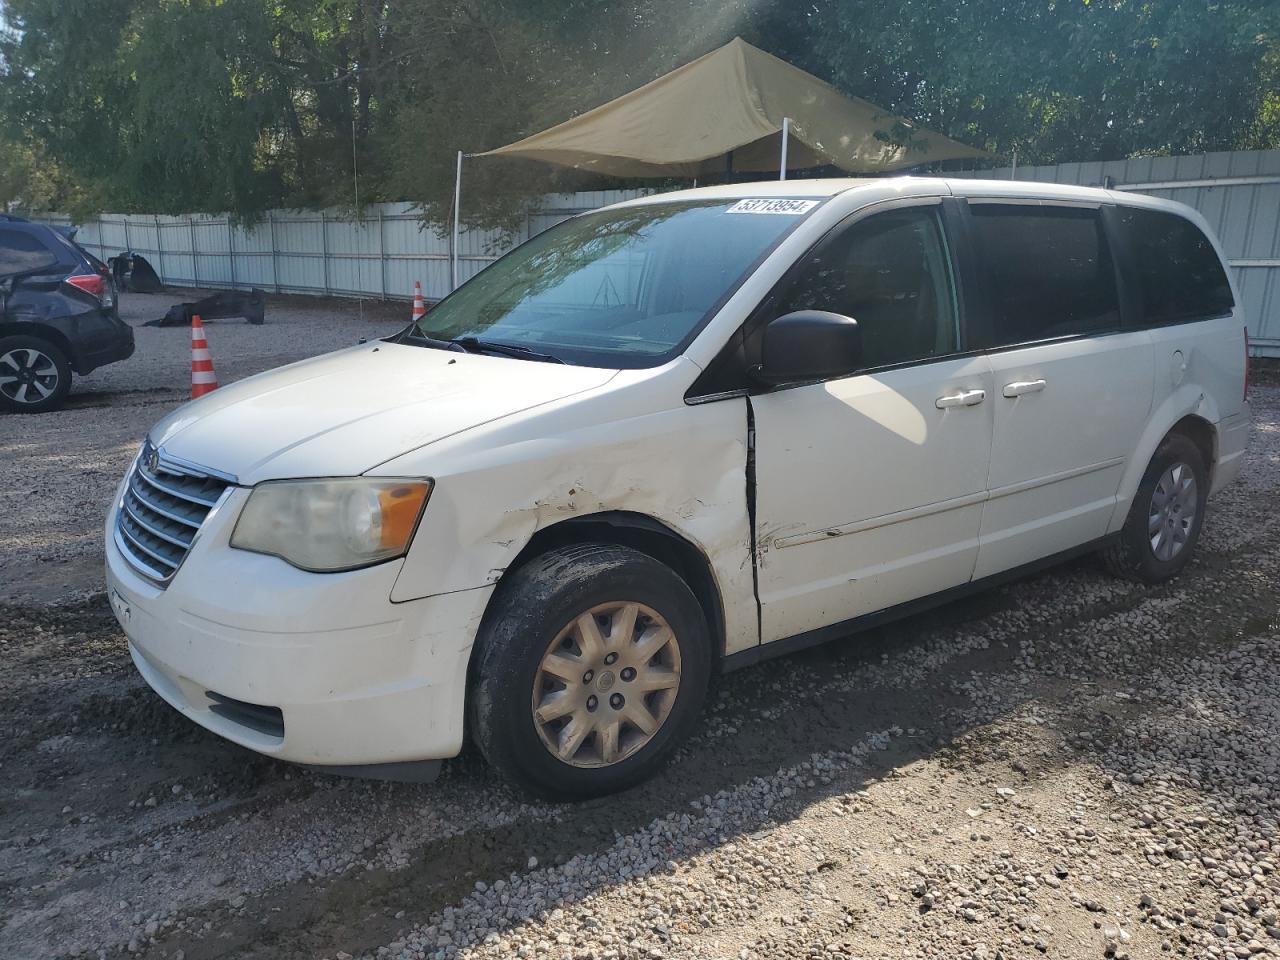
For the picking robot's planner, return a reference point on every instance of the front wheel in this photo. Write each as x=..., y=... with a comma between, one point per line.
x=591, y=667
x=1166, y=517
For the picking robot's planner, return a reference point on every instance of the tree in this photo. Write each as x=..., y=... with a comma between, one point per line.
x=1059, y=80
x=29, y=179
x=154, y=104
x=172, y=106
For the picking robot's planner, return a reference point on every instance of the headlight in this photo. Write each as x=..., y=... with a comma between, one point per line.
x=329, y=525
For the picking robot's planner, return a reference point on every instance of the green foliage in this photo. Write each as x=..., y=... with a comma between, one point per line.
x=30, y=178
x=1060, y=80
x=171, y=106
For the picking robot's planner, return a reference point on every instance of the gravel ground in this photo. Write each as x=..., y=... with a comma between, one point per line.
x=60, y=469
x=1069, y=766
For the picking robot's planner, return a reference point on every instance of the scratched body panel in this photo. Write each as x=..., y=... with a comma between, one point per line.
x=498, y=485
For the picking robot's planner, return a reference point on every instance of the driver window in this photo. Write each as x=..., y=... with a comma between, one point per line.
x=892, y=274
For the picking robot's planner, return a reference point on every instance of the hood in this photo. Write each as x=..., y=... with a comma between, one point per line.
x=344, y=413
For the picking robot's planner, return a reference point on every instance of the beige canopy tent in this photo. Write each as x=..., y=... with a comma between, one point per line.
x=735, y=110
x=729, y=107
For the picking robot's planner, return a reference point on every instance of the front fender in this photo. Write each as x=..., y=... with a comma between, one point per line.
x=683, y=467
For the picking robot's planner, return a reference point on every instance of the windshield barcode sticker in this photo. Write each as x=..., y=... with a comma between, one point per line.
x=764, y=205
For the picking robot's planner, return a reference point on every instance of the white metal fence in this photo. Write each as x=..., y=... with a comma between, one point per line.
x=1238, y=193
x=322, y=252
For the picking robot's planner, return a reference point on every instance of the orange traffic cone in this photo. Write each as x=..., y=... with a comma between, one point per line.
x=419, y=305
x=203, y=379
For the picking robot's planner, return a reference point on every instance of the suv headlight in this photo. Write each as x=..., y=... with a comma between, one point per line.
x=331, y=525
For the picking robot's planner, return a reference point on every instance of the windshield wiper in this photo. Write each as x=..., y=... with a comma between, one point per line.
x=476, y=345
x=415, y=334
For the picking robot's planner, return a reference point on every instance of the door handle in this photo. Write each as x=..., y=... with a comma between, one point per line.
x=1019, y=387
x=969, y=398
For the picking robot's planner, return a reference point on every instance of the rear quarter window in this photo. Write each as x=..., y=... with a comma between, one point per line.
x=1178, y=271
x=22, y=252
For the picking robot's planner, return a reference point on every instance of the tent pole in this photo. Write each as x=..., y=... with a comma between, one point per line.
x=457, y=201
x=786, y=131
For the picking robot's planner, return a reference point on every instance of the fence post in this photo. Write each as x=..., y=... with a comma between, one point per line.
x=231, y=249
x=159, y=250
x=324, y=247
x=195, y=261
x=382, y=257
x=128, y=244
x=275, y=255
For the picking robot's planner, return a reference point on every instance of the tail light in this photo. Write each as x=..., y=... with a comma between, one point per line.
x=1246, y=364
x=93, y=283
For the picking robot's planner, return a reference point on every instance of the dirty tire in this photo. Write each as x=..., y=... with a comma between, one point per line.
x=532, y=606
x=1132, y=556
x=41, y=355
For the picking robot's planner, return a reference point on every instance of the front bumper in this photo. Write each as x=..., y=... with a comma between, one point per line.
x=319, y=669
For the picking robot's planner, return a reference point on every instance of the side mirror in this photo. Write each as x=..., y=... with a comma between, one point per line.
x=809, y=345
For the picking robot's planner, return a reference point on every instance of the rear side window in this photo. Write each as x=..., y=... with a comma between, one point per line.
x=1049, y=272
x=1179, y=274
x=21, y=252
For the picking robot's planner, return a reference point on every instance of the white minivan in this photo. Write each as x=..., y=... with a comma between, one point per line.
x=672, y=437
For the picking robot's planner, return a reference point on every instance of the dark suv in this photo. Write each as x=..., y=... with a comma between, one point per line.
x=57, y=314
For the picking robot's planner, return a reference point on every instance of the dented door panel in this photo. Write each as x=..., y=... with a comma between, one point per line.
x=868, y=493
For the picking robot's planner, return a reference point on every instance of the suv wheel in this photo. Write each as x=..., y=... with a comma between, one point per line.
x=34, y=375
x=591, y=667
x=1167, y=514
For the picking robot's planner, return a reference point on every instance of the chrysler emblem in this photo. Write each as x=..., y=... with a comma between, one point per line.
x=153, y=459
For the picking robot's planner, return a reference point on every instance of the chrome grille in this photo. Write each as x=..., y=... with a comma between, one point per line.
x=164, y=503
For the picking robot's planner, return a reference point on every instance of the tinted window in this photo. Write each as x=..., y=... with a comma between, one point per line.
x=1179, y=274
x=892, y=274
x=1048, y=271
x=21, y=251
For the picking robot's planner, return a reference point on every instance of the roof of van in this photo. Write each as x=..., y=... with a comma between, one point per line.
x=821, y=188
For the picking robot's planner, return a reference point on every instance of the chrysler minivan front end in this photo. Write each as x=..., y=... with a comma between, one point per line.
x=291, y=647
x=254, y=566
x=302, y=560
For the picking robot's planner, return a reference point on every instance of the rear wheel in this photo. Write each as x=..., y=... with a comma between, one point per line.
x=1166, y=516
x=592, y=666
x=34, y=375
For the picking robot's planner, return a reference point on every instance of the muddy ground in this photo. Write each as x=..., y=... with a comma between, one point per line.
x=1069, y=766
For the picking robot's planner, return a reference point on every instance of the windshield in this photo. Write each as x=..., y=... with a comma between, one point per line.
x=617, y=288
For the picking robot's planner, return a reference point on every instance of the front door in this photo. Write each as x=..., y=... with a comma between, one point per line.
x=869, y=488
